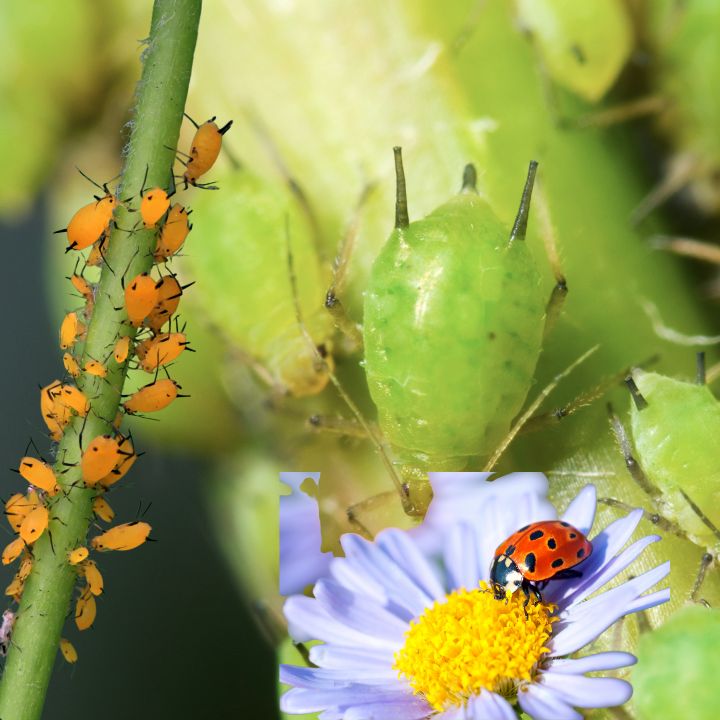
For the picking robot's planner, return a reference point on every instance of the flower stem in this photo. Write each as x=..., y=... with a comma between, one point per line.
x=44, y=606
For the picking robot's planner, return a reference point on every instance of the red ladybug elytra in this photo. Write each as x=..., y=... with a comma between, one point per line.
x=536, y=553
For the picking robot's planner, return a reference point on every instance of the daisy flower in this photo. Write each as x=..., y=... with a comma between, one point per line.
x=409, y=630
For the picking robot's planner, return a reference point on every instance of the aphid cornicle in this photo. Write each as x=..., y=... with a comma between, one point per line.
x=539, y=552
x=453, y=324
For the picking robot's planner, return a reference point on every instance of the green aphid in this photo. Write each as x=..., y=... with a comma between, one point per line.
x=675, y=429
x=583, y=45
x=241, y=266
x=453, y=327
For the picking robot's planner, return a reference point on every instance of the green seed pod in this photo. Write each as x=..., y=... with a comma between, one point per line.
x=676, y=434
x=676, y=666
x=240, y=262
x=453, y=326
x=583, y=45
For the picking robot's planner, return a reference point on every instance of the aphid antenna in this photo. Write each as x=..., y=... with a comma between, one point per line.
x=519, y=228
x=206, y=186
x=127, y=269
x=532, y=408
x=402, y=219
x=640, y=402
x=193, y=122
x=469, y=179
x=333, y=378
x=90, y=180
x=140, y=512
x=700, y=374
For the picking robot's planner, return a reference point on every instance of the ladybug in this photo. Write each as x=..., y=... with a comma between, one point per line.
x=536, y=553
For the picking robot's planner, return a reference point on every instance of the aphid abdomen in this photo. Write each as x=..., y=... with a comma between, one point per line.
x=453, y=328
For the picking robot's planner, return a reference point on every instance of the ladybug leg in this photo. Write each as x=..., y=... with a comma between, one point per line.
x=528, y=588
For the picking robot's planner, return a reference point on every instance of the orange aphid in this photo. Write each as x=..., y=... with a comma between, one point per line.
x=70, y=397
x=102, y=455
x=34, y=524
x=173, y=233
x=95, y=367
x=25, y=567
x=85, y=610
x=90, y=223
x=127, y=460
x=153, y=397
x=71, y=365
x=78, y=555
x=154, y=204
x=68, y=651
x=204, y=150
x=169, y=292
x=122, y=349
x=102, y=509
x=140, y=298
x=18, y=507
x=160, y=350
x=15, y=588
x=122, y=537
x=13, y=551
x=82, y=286
x=39, y=474
x=70, y=330
x=93, y=577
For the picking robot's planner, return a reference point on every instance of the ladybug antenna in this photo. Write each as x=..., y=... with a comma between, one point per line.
x=521, y=220
x=401, y=207
x=469, y=179
x=640, y=402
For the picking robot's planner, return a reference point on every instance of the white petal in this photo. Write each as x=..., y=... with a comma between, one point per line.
x=542, y=704
x=460, y=555
x=588, y=692
x=489, y=706
x=337, y=656
x=580, y=513
x=592, y=663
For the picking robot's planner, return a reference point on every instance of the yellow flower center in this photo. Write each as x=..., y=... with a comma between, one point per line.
x=469, y=642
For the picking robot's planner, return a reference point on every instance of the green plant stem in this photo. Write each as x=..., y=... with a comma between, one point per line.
x=161, y=98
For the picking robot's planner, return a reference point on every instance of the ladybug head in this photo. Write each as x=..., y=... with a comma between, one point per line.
x=505, y=576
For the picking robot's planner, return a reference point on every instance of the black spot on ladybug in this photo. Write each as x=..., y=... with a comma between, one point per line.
x=536, y=535
x=573, y=536
x=564, y=524
x=551, y=543
x=557, y=563
x=530, y=562
x=581, y=553
x=510, y=549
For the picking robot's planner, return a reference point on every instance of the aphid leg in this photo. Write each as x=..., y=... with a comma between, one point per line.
x=322, y=362
x=343, y=322
x=700, y=371
x=640, y=107
x=367, y=507
x=705, y=562
x=547, y=232
x=532, y=408
x=337, y=426
x=681, y=171
x=655, y=518
x=636, y=472
x=687, y=247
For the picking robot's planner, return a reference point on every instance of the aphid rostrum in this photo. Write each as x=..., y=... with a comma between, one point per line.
x=454, y=319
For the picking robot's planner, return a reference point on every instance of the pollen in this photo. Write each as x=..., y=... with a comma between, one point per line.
x=469, y=642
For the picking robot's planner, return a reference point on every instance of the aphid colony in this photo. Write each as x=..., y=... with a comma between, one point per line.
x=149, y=339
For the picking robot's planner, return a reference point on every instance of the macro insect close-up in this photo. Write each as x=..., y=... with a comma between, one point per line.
x=363, y=359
